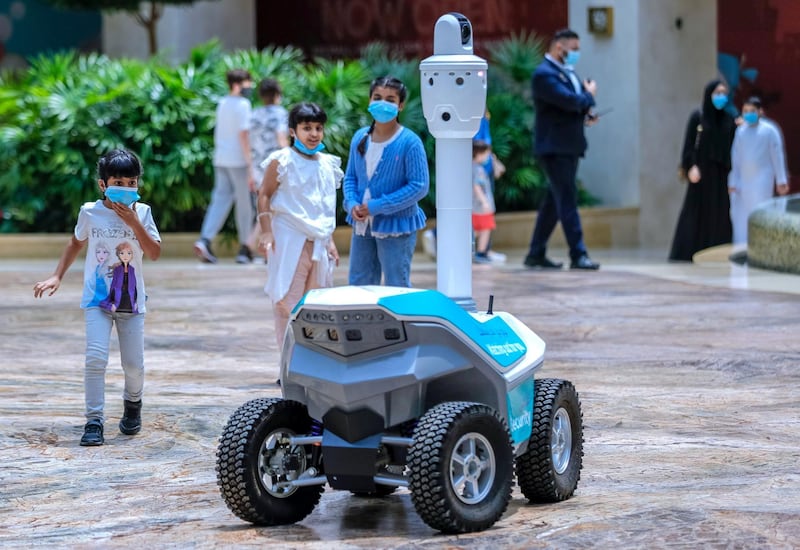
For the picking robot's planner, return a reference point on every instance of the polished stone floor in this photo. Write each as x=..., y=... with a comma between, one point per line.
x=688, y=376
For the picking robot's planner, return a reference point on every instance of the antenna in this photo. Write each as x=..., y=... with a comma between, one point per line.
x=491, y=304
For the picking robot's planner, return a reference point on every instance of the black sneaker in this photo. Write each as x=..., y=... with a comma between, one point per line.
x=202, y=248
x=245, y=256
x=92, y=434
x=131, y=421
x=541, y=262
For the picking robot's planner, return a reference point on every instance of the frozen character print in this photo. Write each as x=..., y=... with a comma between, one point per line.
x=101, y=273
x=122, y=295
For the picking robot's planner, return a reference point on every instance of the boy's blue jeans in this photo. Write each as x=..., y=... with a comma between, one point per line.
x=130, y=332
x=371, y=257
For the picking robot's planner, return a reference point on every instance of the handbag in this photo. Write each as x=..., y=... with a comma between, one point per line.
x=682, y=175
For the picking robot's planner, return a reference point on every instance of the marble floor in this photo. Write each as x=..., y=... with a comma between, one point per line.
x=688, y=376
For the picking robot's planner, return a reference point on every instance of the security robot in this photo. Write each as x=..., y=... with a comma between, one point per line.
x=387, y=388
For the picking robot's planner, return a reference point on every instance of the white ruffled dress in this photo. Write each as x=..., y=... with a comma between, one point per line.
x=303, y=208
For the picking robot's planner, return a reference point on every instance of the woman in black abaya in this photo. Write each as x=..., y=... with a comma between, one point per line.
x=705, y=219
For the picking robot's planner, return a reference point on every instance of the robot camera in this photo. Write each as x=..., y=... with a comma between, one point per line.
x=466, y=28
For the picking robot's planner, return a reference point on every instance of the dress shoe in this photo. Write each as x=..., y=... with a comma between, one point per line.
x=584, y=262
x=541, y=262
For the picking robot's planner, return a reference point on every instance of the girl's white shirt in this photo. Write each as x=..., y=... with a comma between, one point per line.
x=303, y=208
x=375, y=151
x=372, y=158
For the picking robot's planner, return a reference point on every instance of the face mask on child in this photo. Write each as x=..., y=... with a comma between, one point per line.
x=303, y=149
x=750, y=118
x=122, y=195
x=383, y=111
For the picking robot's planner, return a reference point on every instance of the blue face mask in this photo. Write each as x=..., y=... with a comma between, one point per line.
x=122, y=195
x=719, y=100
x=572, y=57
x=383, y=111
x=750, y=118
x=303, y=149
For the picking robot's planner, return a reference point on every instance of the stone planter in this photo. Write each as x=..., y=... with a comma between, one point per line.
x=773, y=235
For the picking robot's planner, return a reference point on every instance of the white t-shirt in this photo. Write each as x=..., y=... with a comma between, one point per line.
x=233, y=116
x=375, y=151
x=372, y=158
x=112, y=274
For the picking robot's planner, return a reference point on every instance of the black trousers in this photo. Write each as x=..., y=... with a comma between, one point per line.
x=559, y=204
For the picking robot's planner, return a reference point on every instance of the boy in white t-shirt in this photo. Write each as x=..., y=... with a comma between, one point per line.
x=234, y=181
x=119, y=231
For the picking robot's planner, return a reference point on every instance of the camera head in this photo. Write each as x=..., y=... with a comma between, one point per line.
x=453, y=80
x=452, y=35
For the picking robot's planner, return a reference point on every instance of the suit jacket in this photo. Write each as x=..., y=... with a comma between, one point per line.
x=560, y=112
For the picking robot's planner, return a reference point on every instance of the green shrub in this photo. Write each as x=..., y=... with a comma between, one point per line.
x=67, y=111
x=59, y=116
x=510, y=103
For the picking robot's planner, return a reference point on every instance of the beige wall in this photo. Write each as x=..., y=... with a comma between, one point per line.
x=183, y=27
x=652, y=74
x=677, y=64
x=609, y=169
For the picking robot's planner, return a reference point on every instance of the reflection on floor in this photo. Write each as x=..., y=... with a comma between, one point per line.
x=711, y=267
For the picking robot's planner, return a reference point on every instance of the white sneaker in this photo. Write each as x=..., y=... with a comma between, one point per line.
x=202, y=249
x=429, y=243
x=496, y=257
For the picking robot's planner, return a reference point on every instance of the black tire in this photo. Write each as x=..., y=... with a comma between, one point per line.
x=456, y=442
x=242, y=460
x=551, y=467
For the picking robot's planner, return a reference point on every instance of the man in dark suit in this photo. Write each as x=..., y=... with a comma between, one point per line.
x=563, y=107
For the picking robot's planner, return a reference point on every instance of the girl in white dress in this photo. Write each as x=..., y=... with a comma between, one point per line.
x=297, y=214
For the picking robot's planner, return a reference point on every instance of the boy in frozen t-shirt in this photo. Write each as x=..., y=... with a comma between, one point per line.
x=120, y=223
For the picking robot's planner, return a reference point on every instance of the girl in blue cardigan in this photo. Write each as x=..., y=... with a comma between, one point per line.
x=387, y=175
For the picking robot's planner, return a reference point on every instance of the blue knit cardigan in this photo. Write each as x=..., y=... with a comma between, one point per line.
x=400, y=180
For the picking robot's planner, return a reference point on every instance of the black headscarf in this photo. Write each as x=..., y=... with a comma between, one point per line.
x=718, y=128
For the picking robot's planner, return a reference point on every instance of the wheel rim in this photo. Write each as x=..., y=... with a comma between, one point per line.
x=561, y=441
x=280, y=462
x=472, y=468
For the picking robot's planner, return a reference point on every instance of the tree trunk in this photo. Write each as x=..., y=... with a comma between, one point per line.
x=150, y=23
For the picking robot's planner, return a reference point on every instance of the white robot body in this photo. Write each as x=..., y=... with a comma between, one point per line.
x=453, y=85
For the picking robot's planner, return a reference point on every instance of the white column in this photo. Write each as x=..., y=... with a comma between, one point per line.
x=651, y=71
x=454, y=219
x=183, y=27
